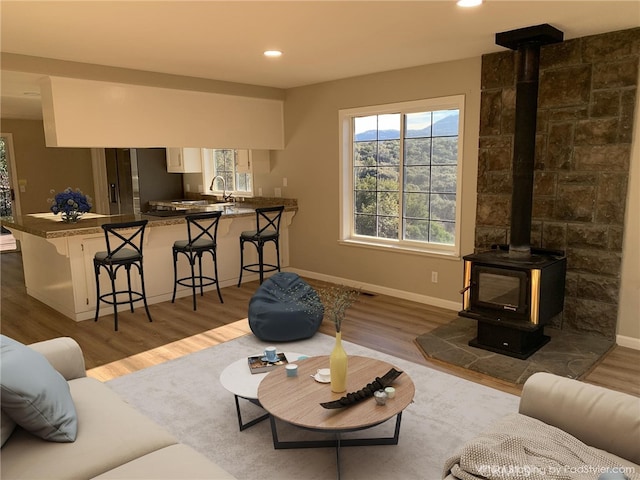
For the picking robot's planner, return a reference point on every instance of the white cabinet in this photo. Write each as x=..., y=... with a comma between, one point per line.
x=184, y=160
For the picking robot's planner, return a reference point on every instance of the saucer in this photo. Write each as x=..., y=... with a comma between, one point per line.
x=265, y=359
x=317, y=378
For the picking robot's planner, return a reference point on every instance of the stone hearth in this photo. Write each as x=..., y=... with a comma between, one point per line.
x=569, y=354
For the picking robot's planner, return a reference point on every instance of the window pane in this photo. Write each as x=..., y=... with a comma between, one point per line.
x=365, y=225
x=365, y=128
x=415, y=229
x=388, y=179
x=417, y=151
x=388, y=203
x=442, y=232
x=445, y=151
x=445, y=122
x=388, y=227
x=444, y=179
x=416, y=205
x=418, y=125
x=389, y=126
x=417, y=179
x=365, y=178
x=365, y=153
x=365, y=202
x=389, y=152
x=405, y=169
x=443, y=207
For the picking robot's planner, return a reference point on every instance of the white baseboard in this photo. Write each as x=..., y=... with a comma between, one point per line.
x=628, y=342
x=392, y=292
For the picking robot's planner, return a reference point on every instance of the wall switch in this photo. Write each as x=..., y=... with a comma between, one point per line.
x=284, y=181
x=278, y=192
x=187, y=188
x=259, y=191
x=434, y=277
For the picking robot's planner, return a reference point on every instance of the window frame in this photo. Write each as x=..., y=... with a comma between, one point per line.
x=346, y=178
x=209, y=171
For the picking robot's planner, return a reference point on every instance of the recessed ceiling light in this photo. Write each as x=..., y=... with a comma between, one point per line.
x=272, y=53
x=469, y=3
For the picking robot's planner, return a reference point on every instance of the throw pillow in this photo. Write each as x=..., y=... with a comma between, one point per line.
x=34, y=394
x=7, y=426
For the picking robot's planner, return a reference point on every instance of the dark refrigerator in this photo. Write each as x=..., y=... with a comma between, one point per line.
x=138, y=175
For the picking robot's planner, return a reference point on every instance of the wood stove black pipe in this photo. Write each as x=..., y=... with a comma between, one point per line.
x=527, y=42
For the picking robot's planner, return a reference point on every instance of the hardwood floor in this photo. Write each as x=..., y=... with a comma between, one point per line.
x=383, y=323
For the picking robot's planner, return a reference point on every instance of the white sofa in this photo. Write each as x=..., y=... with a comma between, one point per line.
x=607, y=422
x=114, y=441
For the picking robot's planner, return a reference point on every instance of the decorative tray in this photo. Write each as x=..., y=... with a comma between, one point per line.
x=366, y=392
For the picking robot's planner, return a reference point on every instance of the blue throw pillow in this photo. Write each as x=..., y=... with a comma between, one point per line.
x=34, y=394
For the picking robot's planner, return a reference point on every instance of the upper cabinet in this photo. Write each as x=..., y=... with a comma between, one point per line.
x=184, y=160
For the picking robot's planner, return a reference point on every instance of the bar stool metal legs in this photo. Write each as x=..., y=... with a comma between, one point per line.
x=202, y=232
x=267, y=230
x=124, y=249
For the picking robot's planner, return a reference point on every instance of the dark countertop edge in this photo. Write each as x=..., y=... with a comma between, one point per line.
x=91, y=226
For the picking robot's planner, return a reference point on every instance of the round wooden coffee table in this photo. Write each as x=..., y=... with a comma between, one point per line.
x=296, y=400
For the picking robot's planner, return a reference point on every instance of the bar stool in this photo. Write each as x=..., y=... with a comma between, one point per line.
x=124, y=249
x=202, y=230
x=267, y=230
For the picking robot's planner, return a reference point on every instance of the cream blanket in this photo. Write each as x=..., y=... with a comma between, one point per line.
x=521, y=447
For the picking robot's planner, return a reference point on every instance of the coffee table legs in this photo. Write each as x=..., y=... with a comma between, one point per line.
x=337, y=443
x=251, y=423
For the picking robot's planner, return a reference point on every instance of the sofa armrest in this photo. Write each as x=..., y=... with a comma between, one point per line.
x=599, y=417
x=64, y=354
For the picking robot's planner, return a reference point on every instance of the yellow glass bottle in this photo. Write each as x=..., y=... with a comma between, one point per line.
x=338, y=366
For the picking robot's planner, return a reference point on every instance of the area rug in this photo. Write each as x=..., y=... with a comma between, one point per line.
x=567, y=354
x=186, y=397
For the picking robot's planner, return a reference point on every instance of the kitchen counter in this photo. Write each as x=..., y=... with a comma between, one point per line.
x=48, y=225
x=58, y=257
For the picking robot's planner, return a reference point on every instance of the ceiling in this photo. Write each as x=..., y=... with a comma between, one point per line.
x=321, y=40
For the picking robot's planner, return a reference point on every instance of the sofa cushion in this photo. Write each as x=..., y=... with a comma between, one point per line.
x=34, y=395
x=110, y=433
x=175, y=461
x=285, y=308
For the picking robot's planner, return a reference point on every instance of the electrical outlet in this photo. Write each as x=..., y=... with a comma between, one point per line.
x=284, y=181
x=278, y=192
x=259, y=191
x=434, y=277
x=187, y=188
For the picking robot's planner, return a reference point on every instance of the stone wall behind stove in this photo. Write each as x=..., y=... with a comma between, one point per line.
x=583, y=150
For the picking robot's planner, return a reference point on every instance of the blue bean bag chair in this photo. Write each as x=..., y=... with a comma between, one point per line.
x=285, y=308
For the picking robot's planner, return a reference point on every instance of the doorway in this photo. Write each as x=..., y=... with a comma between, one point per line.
x=9, y=200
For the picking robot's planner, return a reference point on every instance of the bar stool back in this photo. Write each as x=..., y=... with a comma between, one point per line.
x=124, y=249
x=267, y=230
x=202, y=231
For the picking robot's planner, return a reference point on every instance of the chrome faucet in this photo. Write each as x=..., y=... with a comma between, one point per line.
x=225, y=197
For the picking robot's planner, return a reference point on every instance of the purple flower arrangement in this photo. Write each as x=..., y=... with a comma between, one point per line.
x=71, y=204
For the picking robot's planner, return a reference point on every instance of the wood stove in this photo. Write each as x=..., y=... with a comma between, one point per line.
x=512, y=291
x=512, y=299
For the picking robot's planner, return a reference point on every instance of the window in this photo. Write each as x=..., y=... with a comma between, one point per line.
x=401, y=170
x=232, y=165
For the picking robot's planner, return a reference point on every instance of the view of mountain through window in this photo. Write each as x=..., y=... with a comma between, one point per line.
x=405, y=170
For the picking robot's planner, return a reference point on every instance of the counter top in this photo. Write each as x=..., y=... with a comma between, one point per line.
x=48, y=225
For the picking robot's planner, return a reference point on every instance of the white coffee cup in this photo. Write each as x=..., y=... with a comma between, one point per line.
x=271, y=354
x=324, y=374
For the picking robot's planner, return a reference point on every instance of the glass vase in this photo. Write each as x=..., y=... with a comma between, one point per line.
x=338, y=366
x=71, y=217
